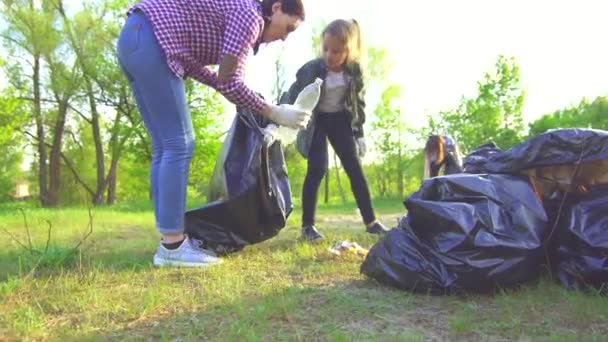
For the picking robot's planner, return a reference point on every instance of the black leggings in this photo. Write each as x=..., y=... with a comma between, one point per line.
x=335, y=127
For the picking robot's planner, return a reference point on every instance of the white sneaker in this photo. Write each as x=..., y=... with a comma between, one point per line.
x=186, y=255
x=199, y=244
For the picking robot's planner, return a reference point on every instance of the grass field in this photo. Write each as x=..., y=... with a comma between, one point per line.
x=281, y=289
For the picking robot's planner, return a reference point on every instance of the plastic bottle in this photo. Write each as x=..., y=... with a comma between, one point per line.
x=307, y=101
x=309, y=96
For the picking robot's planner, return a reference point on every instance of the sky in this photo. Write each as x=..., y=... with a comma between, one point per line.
x=440, y=49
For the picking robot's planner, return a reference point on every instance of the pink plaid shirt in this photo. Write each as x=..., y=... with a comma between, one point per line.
x=194, y=34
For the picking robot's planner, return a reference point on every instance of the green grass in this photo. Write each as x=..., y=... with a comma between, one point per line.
x=281, y=289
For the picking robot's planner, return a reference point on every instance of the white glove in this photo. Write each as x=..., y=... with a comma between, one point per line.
x=361, y=147
x=270, y=133
x=290, y=116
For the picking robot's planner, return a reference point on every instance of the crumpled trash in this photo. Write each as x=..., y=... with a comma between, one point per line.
x=348, y=247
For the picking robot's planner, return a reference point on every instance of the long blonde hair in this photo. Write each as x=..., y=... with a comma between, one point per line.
x=349, y=33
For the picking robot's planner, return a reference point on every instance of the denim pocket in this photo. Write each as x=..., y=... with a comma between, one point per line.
x=129, y=39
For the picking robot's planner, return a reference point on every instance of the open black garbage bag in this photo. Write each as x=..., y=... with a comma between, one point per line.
x=581, y=247
x=555, y=147
x=558, y=161
x=463, y=233
x=250, y=196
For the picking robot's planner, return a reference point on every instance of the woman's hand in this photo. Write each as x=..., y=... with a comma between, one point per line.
x=287, y=115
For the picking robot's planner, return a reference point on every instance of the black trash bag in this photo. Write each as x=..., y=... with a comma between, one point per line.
x=581, y=247
x=555, y=147
x=463, y=232
x=250, y=196
x=475, y=161
x=556, y=161
x=401, y=260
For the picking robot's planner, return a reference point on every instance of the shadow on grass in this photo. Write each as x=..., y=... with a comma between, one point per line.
x=341, y=306
x=131, y=248
x=346, y=311
x=361, y=310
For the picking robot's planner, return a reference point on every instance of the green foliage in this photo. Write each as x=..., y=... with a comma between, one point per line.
x=81, y=154
x=377, y=64
x=585, y=115
x=133, y=183
x=316, y=39
x=207, y=114
x=78, y=69
x=12, y=118
x=76, y=55
x=30, y=27
x=296, y=169
x=494, y=115
x=393, y=173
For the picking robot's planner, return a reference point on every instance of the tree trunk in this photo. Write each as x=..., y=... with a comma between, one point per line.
x=42, y=156
x=98, y=196
x=116, y=146
x=55, y=159
x=99, y=156
x=111, y=181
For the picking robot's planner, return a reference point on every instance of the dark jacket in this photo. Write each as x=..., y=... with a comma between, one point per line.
x=354, y=101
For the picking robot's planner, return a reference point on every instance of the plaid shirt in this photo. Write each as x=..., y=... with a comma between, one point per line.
x=196, y=33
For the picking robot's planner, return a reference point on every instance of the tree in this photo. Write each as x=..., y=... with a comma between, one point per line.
x=584, y=115
x=378, y=64
x=207, y=114
x=65, y=78
x=389, y=130
x=30, y=35
x=11, y=118
x=91, y=38
x=494, y=115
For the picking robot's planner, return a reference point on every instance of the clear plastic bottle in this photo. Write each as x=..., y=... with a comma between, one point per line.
x=307, y=101
x=309, y=96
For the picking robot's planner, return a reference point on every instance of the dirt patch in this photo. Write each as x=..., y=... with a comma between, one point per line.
x=354, y=221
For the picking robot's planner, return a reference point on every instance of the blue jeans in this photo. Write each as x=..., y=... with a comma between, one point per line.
x=161, y=100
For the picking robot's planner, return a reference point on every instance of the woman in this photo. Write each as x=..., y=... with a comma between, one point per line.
x=164, y=42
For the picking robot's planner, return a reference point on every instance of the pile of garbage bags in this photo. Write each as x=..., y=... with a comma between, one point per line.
x=510, y=215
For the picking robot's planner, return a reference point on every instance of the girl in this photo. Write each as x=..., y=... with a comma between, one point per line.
x=162, y=43
x=339, y=117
